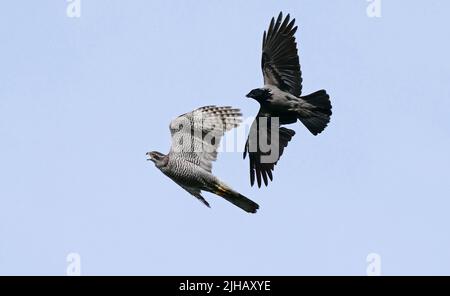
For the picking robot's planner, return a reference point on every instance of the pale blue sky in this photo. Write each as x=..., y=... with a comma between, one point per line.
x=82, y=100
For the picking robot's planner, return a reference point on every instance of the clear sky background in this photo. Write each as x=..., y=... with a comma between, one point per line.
x=83, y=99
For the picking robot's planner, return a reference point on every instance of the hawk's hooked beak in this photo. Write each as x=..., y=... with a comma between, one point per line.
x=149, y=157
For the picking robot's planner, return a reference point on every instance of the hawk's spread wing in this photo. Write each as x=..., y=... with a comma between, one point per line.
x=261, y=134
x=196, y=135
x=280, y=63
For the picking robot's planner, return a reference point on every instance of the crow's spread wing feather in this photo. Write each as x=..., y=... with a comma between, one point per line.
x=280, y=62
x=261, y=132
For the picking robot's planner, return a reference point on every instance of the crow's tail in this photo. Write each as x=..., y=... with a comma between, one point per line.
x=318, y=114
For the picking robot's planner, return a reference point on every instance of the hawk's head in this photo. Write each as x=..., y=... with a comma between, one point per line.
x=157, y=158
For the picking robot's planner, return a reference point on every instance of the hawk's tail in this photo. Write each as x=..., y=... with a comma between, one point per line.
x=319, y=118
x=235, y=198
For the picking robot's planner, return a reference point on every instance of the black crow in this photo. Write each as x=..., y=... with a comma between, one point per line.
x=281, y=101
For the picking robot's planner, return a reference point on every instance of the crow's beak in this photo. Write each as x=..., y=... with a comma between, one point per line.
x=248, y=95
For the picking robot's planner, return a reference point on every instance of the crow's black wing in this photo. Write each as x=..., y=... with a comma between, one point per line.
x=265, y=145
x=280, y=63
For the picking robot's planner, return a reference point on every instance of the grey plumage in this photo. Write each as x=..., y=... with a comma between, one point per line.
x=195, y=138
x=281, y=98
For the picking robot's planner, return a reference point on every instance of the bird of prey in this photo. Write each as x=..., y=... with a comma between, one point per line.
x=281, y=98
x=195, y=138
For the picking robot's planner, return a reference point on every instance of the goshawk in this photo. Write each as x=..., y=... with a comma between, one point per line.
x=195, y=138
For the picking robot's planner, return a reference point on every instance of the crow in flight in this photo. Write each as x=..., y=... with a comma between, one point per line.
x=281, y=98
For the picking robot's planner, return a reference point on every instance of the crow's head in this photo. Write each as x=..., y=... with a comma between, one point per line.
x=259, y=94
x=159, y=159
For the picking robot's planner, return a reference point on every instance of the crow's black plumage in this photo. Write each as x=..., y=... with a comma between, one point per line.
x=280, y=98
